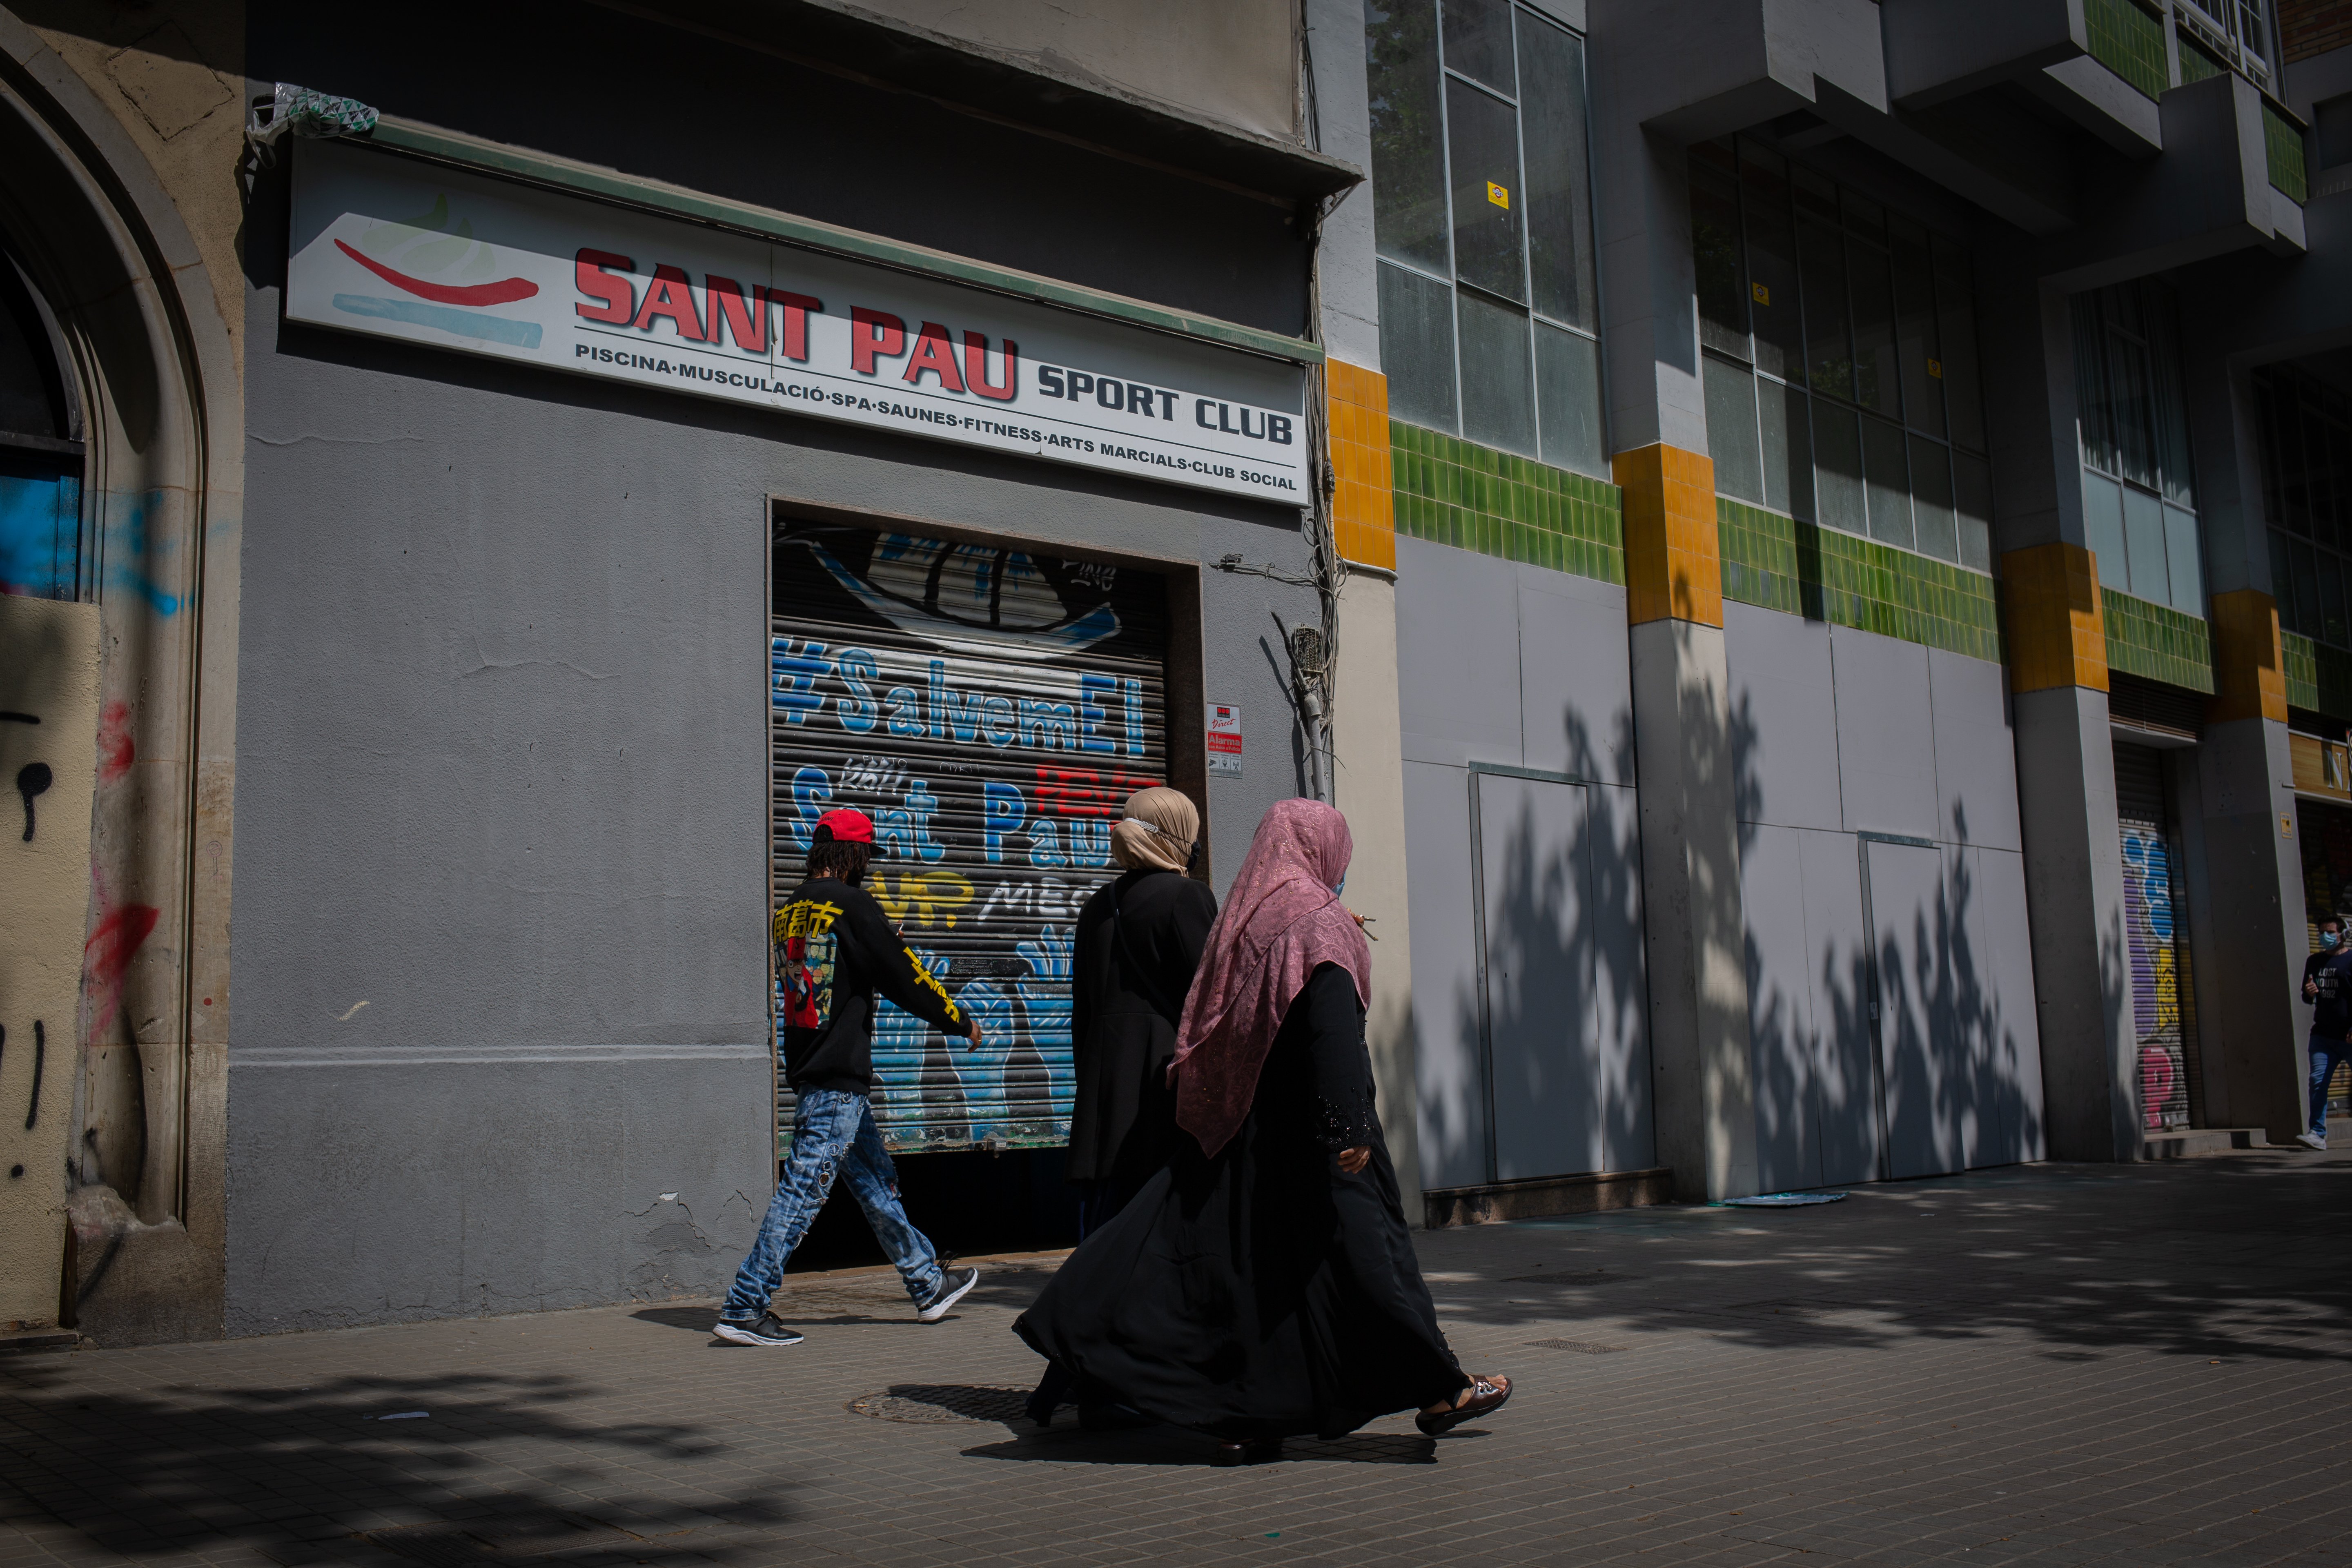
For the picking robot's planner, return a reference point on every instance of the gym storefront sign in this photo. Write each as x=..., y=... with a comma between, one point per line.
x=396, y=247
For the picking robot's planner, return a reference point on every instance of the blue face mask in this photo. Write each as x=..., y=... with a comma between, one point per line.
x=1340, y=886
x=2330, y=938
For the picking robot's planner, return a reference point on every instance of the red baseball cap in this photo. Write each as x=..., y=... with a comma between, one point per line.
x=845, y=826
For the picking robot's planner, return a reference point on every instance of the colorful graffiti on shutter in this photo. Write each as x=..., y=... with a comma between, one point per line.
x=991, y=710
x=2155, y=976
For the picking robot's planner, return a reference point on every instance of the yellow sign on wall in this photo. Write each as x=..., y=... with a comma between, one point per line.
x=1497, y=195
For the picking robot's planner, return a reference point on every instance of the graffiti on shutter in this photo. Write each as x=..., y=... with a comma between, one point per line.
x=991, y=710
x=2152, y=938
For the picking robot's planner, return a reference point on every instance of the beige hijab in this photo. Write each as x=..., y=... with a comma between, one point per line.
x=1158, y=832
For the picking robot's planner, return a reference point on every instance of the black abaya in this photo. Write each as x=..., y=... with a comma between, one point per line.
x=1262, y=1293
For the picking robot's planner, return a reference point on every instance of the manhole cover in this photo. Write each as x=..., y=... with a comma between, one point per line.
x=940, y=1403
x=1582, y=1347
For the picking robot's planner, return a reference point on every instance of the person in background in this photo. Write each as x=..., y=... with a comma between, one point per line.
x=1263, y=1284
x=835, y=949
x=2327, y=986
x=1138, y=940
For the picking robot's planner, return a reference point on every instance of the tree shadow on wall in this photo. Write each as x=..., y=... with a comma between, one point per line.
x=1567, y=1009
x=305, y=1475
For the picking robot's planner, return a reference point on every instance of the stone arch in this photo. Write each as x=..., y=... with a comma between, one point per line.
x=103, y=240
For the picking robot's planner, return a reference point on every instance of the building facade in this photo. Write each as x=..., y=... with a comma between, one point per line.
x=1803, y=534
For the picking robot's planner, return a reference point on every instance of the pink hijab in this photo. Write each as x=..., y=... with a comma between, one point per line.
x=1280, y=920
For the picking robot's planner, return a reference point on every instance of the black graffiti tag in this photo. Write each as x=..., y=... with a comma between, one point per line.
x=32, y=779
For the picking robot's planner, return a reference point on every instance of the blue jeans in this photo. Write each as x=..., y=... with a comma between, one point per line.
x=2325, y=1054
x=834, y=1130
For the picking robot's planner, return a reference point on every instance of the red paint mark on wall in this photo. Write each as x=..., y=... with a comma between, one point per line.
x=106, y=959
x=114, y=748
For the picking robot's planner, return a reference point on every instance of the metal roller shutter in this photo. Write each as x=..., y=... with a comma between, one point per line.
x=991, y=710
x=2160, y=978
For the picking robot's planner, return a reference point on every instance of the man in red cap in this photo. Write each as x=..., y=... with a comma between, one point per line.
x=835, y=949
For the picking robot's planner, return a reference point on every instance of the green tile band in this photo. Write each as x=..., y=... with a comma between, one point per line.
x=1452, y=491
x=2157, y=643
x=1778, y=562
x=2128, y=41
x=2319, y=678
x=2282, y=146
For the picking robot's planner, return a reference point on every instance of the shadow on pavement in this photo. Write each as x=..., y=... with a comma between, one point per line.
x=2246, y=1261
x=317, y=1474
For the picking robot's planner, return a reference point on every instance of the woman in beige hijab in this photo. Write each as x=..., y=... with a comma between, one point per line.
x=1138, y=940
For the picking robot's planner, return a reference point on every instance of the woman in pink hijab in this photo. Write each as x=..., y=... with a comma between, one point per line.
x=1263, y=1284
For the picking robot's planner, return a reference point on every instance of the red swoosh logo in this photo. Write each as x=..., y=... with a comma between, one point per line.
x=504, y=291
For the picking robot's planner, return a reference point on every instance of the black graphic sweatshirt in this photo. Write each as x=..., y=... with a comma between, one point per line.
x=834, y=948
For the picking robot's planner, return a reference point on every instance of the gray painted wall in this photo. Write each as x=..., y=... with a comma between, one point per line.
x=1543, y=688
x=1837, y=732
x=503, y=778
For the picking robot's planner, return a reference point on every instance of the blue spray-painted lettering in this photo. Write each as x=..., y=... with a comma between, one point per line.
x=795, y=678
x=1132, y=691
x=1045, y=998
x=1045, y=844
x=812, y=787
x=1089, y=843
x=998, y=726
x=1094, y=692
x=857, y=711
x=951, y=712
x=1002, y=810
x=905, y=710
x=1049, y=726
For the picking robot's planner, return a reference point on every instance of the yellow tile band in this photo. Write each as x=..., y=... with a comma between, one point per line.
x=2057, y=632
x=1363, y=506
x=2248, y=671
x=1674, y=561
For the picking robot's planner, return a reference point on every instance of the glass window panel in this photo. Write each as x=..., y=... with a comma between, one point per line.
x=2094, y=427
x=1498, y=401
x=1731, y=429
x=1478, y=42
x=2286, y=445
x=1837, y=468
x=1715, y=254
x=2265, y=436
x=1772, y=294
x=2127, y=397
x=1568, y=401
x=1558, y=172
x=2306, y=586
x=2143, y=538
x=1915, y=328
x=1866, y=218
x=2172, y=465
x=2282, y=582
x=1889, y=483
x=1972, y=501
x=2318, y=476
x=1417, y=347
x=1483, y=145
x=2184, y=560
x=2103, y=529
x=1931, y=498
x=2332, y=600
x=1816, y=196
x=1955, y=320
x=2338, y=469
x=1408, y=137
x=1788, y=449
x=1829, y=352
x=1876, y=379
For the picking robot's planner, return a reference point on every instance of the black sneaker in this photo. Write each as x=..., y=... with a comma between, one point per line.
x=951, y=1290
x=766, y=1332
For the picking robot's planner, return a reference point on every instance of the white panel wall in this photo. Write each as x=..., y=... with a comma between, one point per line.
x=1516, y=667
x=1838, y=733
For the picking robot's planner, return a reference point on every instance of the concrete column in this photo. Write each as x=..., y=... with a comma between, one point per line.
x=2246, y=914
x=1701, y=1066
x=2074, y=859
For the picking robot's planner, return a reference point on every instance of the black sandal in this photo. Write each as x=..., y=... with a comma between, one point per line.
x=1487, y=1395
